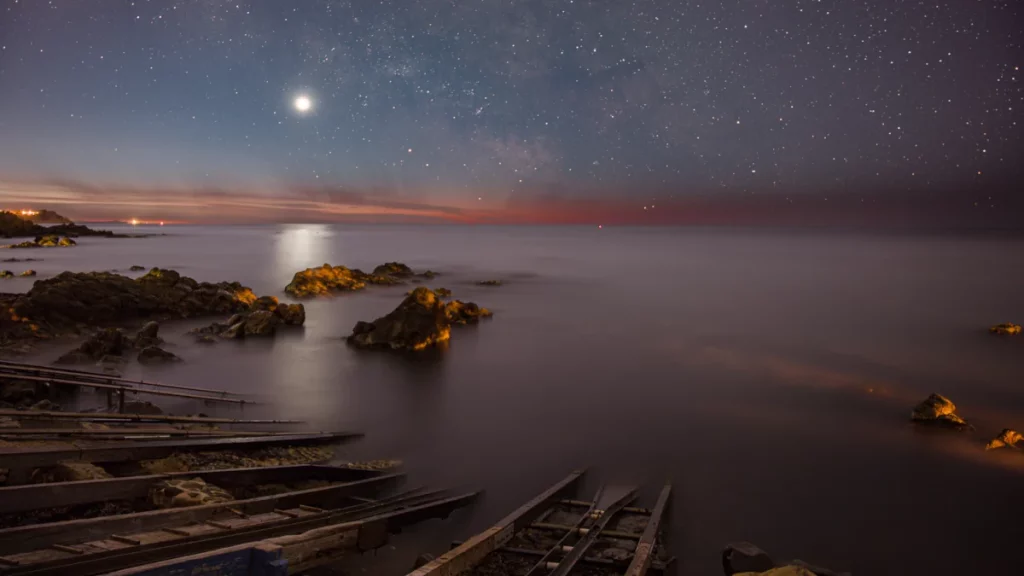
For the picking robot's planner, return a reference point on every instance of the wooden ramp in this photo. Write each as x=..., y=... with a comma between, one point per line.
x=550, y=536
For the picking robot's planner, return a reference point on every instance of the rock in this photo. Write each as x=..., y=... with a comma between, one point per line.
x=179, y=493
x=459, y=312
x=142, y=407
x=268, y=303
x=206, y=339
x=19, y=392
x=137, y=268
x=418, y=322
x=396, y=269
x=439, y=292
x=235, y=332
x=235, y=319
x=27, y=273
x=1006, y=439
x=291, y=314
x=1007, y=329
x=429, y=274
x=940, y=411
x=261, y=323
x=101, y=298
x=6, y=274
x=422, y=560
x=47, y=241
x=324, y=280
x=155, y=355
x=489, y=283
x=45, y=405
x=744, y=557
x=108, y=342
x=147, y=336
x=70, y=471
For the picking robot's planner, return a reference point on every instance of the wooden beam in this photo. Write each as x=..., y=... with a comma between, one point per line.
x=644, y=553
x=14, y=368
x=116, y=417
x=113, y=387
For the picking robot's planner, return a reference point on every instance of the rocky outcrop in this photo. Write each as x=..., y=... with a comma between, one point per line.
x=101, y=298
x=459, y=312
x=439, y=292
x=1006, y=439
x=21, y=226
x=155, y=355
x=179, y=493
x=395, y=269
x=422, y=320
x=328, y=279
x=47, y=217
x=27, y=273
x=418, y=322
x=1007, y=329
x=263, y=318
x=6, y=274
x=938, y=410
x=148, y=335
x=48, y=241
x=109, y=342
x=137, y=268
x=489, y=283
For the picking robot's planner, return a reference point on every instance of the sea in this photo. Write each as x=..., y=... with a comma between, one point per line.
x=768, y=375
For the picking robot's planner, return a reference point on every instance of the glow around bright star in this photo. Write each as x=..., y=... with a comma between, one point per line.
x=303, y=103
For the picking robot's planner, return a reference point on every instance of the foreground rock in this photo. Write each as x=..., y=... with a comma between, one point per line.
x=1006, y=439
x=263, y=318
x=743, y=558
x=418, y=322
x=103, y=345
x=183, y=492
x=152, y=355
x=1006, y=329
x=938, y=410
x=422, y=320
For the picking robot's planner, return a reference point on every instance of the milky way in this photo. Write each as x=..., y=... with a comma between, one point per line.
x=487, y=99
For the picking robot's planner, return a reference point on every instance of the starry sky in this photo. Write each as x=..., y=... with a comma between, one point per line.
x=522, y=110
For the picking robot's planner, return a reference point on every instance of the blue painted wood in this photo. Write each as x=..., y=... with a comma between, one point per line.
x=247, y=560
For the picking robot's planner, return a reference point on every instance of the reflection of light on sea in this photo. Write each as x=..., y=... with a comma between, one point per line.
x=302, y=246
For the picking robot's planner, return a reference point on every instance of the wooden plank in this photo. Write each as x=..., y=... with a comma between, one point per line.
x=118, y=432
x=22, y=538
x=116, y=417
x=13, y=368
x=644, y=553
x=136, y=391
x=469, y=554
x=57, y=494
x=127, y=451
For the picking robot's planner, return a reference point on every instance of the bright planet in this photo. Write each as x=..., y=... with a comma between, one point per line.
x=302, y=103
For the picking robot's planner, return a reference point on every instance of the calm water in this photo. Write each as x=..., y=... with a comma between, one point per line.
x=768, y=375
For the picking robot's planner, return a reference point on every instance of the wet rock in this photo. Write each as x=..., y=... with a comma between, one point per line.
x=418, y=322
x=48, y=241
x=939, y=411
x=45, y=405
x=395, y=269
x=268, y=303
x=429, y=274
x=179, y=493
x=137, y=268
x=1006, y=439
x=235, y=332
x=1007, y=329
x=261, y=323
x=439, y=292
x=291, y=314
x=489, y=283
x=325, y=280
x=156, y=355
x=70, y=471
x=6, y=274
x=744, y=557
x=27, y=273
x=142, y=407
x=148, y=335
x=108, y=342
x=206, y=339
x=459, y=312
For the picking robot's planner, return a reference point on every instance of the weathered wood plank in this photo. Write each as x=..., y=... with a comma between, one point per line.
x=644, y=554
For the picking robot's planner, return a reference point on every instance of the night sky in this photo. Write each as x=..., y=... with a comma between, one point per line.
x=538, y=110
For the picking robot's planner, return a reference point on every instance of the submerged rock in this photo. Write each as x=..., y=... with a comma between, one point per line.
x=137, y=268
x=1006, y=329
x=156, y=355
x=940, y=411
x=179, y=493
x=489, y=283
x=1006, y=439
x=418, y=322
